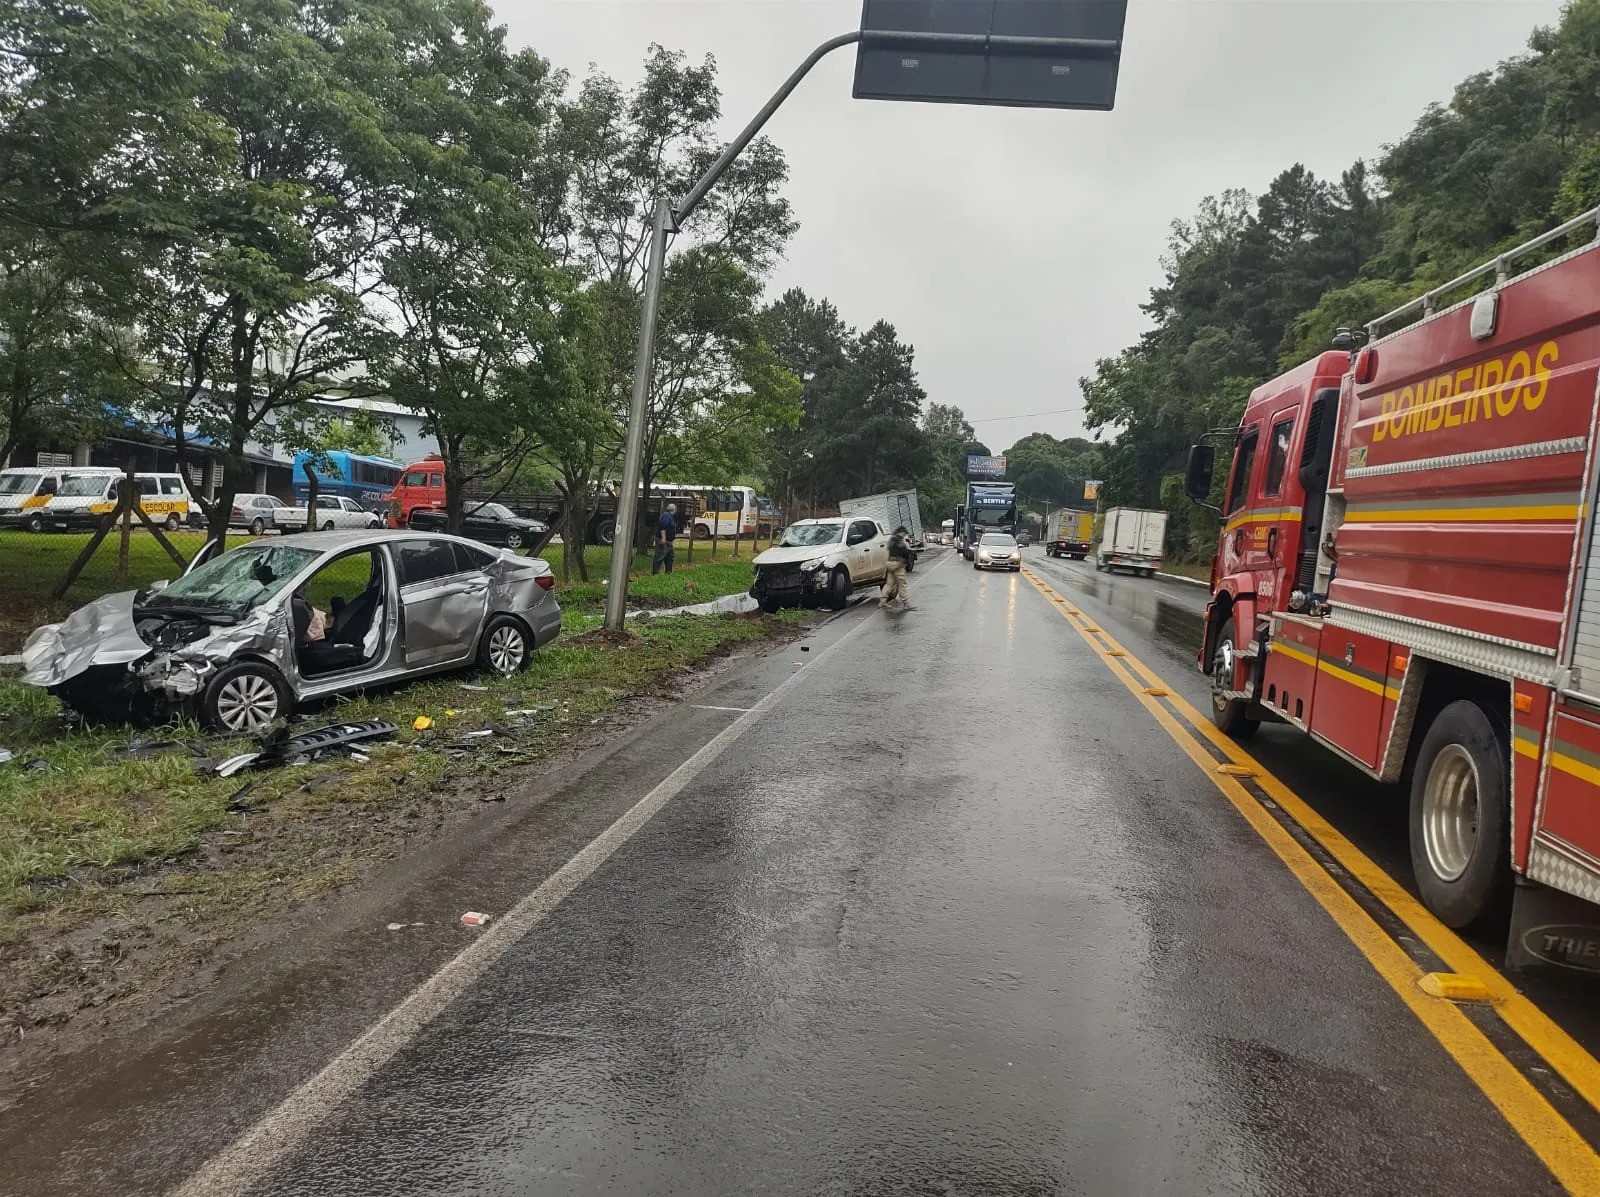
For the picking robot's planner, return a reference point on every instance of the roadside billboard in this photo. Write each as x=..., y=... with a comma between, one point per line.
x=979, y=466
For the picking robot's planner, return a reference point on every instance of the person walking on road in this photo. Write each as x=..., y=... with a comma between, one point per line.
x=666, y=536
x=899, y=563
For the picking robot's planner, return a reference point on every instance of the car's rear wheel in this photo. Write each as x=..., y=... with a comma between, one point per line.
x=328, y=527
x=513, y=539
x=245, y=698
x=173, y=523
x=506, y=648
x=258, y=527
x=701, y=532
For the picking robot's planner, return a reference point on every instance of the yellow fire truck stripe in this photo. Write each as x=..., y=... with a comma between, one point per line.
x=1574, y=768
x=1295, y=653
x=1569, y=1157
x=1458, y=515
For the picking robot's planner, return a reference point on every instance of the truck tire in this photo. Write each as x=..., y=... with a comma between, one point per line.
x=1460, y=815
x=839, y=589
x=1230, y=715
x=605, y=531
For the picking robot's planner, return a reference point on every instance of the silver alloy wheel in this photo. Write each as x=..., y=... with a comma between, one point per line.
x=507, y=648
x=513, y=540
x=247, y=703
x=1450, y=812
x=1222, y=670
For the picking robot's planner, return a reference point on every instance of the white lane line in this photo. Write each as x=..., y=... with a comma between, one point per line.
x=702, y=707
x=251, y=1156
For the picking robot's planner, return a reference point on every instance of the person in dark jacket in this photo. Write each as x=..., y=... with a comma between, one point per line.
x=666, y=537
x=899, y=563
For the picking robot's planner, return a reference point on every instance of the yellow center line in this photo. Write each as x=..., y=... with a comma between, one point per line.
x=1571, y=1159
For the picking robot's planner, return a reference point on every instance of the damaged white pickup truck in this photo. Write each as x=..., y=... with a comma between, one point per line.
x=244, y=638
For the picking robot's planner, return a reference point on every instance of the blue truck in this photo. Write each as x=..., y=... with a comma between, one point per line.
x=990, y=507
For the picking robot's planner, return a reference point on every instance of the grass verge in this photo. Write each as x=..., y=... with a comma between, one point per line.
x=119, y=864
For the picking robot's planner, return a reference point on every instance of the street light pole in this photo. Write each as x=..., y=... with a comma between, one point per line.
x=633, y=455
x=669, y=220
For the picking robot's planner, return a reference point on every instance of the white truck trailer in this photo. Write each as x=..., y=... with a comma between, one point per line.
x=892, y=509
x=1132, y=539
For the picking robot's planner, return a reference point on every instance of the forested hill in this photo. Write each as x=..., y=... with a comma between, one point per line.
x=1256, y=284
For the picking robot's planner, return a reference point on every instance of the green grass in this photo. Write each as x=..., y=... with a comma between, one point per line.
x=1201, y=573
x=72, y=807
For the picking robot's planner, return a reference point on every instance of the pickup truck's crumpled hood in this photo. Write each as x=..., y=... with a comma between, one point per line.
x=797, y=555
x=99, y=633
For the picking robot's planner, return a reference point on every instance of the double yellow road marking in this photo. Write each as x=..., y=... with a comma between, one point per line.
x=1568, y=1155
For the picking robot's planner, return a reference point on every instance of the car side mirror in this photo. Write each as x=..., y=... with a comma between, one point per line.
x=1197, y=473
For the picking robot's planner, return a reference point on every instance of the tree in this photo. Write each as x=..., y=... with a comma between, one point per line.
x=266, y=304
x=611, y=153
x=473, y=297
x=101, y=143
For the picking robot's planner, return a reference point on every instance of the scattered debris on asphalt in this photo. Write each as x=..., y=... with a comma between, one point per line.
x=5, y=755
x=421, y=723
x=474, y=918
x=403, y=926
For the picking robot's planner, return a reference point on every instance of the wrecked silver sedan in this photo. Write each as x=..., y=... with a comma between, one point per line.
x=244, y=638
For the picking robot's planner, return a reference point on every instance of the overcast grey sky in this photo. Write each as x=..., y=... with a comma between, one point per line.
x=1012, y=247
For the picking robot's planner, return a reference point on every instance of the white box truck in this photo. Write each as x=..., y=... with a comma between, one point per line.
x=892, y=509
x=1132, y=539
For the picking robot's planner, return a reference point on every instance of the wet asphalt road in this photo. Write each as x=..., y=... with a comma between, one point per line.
x=954, y=916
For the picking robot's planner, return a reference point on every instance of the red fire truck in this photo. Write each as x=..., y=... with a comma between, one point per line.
x=1409, y=570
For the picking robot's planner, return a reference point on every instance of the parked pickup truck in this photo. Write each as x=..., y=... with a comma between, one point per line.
x=334, y=512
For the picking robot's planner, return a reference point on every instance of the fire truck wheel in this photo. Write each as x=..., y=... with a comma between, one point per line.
x=1459, y=816
x=1228, y=714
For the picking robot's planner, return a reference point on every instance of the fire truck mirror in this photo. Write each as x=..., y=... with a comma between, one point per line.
x=1197, y=473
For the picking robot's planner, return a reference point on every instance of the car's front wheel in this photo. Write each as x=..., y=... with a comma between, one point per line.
x=771, y=606
x=245, y=698
x=513, y=539
x=505, y=648
x=839, y=589
x=34, y=523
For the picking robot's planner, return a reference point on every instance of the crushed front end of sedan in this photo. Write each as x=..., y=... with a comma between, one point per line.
x=242, y=639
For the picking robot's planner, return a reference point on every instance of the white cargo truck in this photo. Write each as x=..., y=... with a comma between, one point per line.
x=892, y=509
x=1132, y=539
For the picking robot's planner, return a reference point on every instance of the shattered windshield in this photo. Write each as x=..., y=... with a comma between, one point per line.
x=804, y=535
x=236, y=581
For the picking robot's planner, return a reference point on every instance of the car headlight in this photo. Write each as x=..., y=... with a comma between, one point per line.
x=814, y=563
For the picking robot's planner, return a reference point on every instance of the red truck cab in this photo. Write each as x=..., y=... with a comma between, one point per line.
x=421, y=485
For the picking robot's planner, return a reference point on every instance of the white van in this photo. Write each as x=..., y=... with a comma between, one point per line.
x=85, y=496
x=23, y=493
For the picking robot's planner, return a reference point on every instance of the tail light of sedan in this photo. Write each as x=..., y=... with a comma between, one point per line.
x=546, y=581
